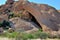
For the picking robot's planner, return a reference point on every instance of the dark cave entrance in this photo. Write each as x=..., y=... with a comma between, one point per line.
x=35, y=21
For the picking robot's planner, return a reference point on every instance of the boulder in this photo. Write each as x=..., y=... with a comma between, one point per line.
x=21, y=25
x=46, y=16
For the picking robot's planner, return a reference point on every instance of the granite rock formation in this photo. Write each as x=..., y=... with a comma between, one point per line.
x=59, y=11
x=43, y=15
x=21, y=25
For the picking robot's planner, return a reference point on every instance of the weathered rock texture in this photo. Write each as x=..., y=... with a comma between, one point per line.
x=1, y=30
x=3, y=17
x=46, y=16
x=59, y=11
x=21, y=25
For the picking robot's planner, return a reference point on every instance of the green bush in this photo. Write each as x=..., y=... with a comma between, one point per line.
x=43, y=35
x=11, y=15
x=4, y=24
x=0, y=24
x=9, y=35
x=25, y=36
x=39, y=34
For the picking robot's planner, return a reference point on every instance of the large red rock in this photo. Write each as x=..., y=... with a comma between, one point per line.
x=47, y=16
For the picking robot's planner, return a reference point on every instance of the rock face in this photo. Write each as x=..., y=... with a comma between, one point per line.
x=46, y=16
x=3, y=17
x=59, y=11
x=1, y=30
x=22, y=25
x=9, y=1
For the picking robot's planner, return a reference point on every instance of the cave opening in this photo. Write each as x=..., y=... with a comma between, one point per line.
x=35, y=21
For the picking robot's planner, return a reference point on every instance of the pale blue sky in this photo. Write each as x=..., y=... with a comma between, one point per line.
x=54, y=3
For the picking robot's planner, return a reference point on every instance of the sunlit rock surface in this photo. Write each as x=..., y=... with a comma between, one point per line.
x=46, y=16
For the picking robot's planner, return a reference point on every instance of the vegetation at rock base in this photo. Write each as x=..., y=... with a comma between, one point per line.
x=25, y=36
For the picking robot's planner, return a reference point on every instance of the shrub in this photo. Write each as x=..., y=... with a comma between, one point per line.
x=25, y=36
x=5, y=24
x=11, y=15
x=0, y=24
x=35, y=35
x=40, y=34
x=9, y=35
x=18, y=15
x=43, y=35
x=40, y=30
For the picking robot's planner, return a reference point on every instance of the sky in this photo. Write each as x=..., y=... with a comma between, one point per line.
x=54, y=3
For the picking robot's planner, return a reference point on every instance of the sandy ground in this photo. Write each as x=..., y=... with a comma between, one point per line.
x=28, y=39
x=6, y=38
